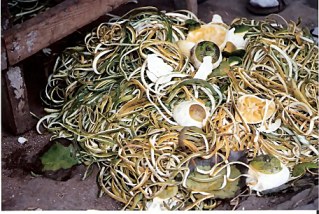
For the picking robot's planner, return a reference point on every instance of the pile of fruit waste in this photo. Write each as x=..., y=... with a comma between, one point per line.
x=179, y=114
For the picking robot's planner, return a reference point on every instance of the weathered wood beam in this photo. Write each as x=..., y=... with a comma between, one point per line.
x=4, y=63
x=23, y=40
x=15, y=106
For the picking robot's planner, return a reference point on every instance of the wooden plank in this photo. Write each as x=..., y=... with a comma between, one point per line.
x=23, y=40
x=15, y=107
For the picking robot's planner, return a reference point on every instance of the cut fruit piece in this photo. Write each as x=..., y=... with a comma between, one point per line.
x=210, y=32
x=266, y=164
x=158, y=68
x=190, y=113
x=205, y=68
x=203, y=49
x=230, y=47
x=237, y=39
x=254, y=109
x=266, y=172
x=185, y=47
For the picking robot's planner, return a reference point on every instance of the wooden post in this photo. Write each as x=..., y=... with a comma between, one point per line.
x=4, y=60
x=15, y=107
x=24, y=40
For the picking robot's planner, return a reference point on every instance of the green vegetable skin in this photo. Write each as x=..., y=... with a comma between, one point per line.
x=266, y=164
x=58, y=157
x=168, y=192
x=301, y=168
x=211, y=184
x=234, y=60
x=191, y=24
x=222, y=69
x=241, y=28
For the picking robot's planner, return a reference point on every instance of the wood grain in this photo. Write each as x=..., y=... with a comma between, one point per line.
x=15, y=106
x=23, y=40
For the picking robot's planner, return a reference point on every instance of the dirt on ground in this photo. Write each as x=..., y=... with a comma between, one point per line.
x=22, y=190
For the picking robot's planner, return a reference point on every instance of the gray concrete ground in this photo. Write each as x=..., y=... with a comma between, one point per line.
x=230, y=9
